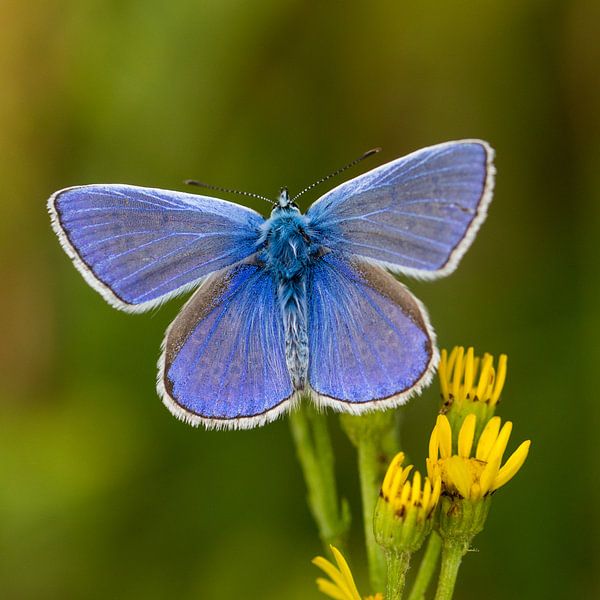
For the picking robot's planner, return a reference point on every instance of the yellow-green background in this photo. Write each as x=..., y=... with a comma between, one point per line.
x=103, y=494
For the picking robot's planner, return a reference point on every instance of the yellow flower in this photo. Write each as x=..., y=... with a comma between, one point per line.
x=404, y=496
x=470, y=384
x=340, y=584
x=473, y=476
x=404, y=508
x=469, y=377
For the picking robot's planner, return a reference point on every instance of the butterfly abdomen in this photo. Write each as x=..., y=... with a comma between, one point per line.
x=292, y=300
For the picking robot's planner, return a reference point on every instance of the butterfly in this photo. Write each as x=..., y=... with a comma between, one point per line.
x=296, y=303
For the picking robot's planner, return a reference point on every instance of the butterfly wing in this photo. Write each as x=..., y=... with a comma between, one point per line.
x=223, y=363
x=416, y=215
x=370, y=342
x=139, y=246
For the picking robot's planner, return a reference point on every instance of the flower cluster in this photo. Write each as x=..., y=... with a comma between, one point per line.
x=465, y=466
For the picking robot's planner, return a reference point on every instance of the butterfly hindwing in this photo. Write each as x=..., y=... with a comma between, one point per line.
x=224, y=355
x=139, y=246
x=370, y=341
x=417, y=215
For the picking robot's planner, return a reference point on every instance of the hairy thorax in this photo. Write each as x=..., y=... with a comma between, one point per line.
x=287, y=248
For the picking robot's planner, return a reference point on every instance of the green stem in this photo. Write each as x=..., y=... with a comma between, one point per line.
x=370, y=481
x=452, y=555
x=315, y=453
x=376, y=440
x=397, y=566
x=427, y=567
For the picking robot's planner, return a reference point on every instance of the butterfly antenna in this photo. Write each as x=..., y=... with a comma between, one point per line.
x=344, y=168
x=227, y=190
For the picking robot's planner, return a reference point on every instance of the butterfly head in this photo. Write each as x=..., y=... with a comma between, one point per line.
x=284, y=201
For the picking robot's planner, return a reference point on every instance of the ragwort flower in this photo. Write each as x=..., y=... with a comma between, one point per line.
x=469, y=479
x=403, y=515
x=470, y=384
x=468, y=476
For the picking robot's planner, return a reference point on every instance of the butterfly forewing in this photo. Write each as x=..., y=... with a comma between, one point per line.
x=138, y=246
x=416, y=215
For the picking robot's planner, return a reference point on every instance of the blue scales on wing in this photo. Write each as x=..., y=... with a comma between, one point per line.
x=138, y=246
x=369, y=338
x=224, y=355
x=416, y=215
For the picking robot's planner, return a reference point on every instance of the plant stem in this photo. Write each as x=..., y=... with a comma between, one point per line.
x=397, y=566
x=452, y=555
x=314, y=451
x=375, y=438
x=370, y=480
x=427, y=567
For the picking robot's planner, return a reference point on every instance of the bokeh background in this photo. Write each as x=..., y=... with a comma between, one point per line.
x=102, y=493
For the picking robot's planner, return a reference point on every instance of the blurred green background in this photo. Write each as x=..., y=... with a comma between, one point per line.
x=103, y=494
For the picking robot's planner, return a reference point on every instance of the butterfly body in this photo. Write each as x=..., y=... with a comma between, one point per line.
x=288, y=253
x=293, y=303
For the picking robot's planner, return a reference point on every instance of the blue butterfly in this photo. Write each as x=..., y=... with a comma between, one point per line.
x=294, y=303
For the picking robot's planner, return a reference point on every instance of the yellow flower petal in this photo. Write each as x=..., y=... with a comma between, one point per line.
x=444, y=435
x=397, y=482
x=458, y=371
x=416, y=488
x=488, y=475
x=404, y=495
x=487, y=439
x=497, y=451
x=341, y=586
x=437, y=490
x=487, y=393
x=345, y=570
x=451, y=361
x=469, y=370
x=484, y=378
x=500, y=379
x=512, y=466
x=336, y=576
x=458, y=475
x=426, y=497
x=466, y=435
x=433, y=468
x=394, y=467
x=476, y=492
x=443, y=374
x=434, y=444
x=331, y=590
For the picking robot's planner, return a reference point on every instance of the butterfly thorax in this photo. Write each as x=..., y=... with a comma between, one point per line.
x=287, y=252
x=286, y=245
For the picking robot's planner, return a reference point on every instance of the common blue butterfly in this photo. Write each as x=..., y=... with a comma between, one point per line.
x=294, y=303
